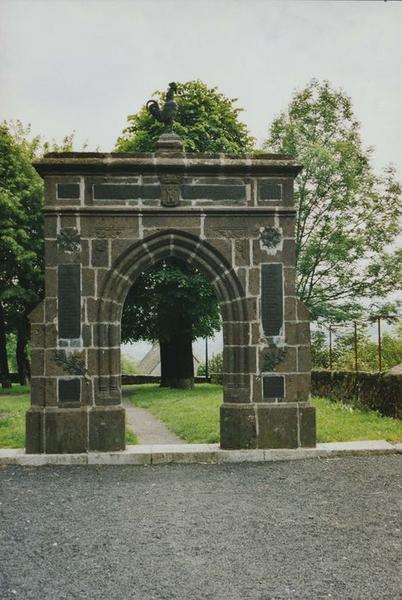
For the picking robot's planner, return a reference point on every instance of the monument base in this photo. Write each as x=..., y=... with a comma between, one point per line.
x=75, y=430
x=267, y=425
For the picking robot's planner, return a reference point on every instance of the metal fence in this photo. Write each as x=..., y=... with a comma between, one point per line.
x=332, y=328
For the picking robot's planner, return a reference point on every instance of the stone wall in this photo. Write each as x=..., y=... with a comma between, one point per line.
x=375, y=391
x=107, y=218
x=141, y=379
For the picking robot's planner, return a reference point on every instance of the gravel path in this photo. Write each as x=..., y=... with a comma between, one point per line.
x=146, y=427
x=304, y=529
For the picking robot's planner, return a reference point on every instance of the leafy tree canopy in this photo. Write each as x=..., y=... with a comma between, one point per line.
x=206, y=121
x=21, y=235
x=170, y=297
x=348, y=215
x=21, y=232
x=21, y=201
x=343, y=356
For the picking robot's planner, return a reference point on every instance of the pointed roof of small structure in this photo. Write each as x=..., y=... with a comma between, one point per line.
x=151, y=360
x=151, y=363
x=396, y=370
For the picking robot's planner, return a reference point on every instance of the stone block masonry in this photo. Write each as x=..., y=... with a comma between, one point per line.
x=110, y=216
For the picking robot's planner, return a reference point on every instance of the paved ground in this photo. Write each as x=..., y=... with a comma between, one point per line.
x=146, y=427
x=306, y=529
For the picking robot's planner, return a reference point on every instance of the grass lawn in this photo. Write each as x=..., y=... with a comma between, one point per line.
x=337, y=422
x=13, y=405
x=12, y=419
x=194, y=415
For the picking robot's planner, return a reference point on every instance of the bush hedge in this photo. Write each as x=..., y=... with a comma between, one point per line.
x=375, y=391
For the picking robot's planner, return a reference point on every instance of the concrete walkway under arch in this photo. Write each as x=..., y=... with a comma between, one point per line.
x=146, y=427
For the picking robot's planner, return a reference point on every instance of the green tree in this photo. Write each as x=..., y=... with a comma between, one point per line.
x=367, y=351
x=172, y=303
x=206, y=121
x=21, y=238
x=129, y=366
x=319, y=350
x=348, y=217
x=12, y=352
x=215, y=368
x=21, y=241
x=343, y=353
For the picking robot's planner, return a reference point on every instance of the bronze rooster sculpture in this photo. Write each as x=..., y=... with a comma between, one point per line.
x=168, y=112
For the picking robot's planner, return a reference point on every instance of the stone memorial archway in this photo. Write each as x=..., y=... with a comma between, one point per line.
x=110, y=216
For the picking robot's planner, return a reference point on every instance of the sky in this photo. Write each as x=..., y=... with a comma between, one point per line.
x=84, y=65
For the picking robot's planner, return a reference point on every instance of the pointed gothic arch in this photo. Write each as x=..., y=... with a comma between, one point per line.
x=142, y=255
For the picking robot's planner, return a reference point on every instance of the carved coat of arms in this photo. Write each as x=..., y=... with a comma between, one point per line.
x=170, y=195
x=69, y=240
x=170, y=190
x=270, y=237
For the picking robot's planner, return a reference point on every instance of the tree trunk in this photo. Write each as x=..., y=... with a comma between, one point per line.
x=177, y=365
x=4, y=372
x=185, y=362
x=168, y=364
x=21, y=356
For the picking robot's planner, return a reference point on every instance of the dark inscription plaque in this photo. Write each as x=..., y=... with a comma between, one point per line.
x=69, y=297
x=125, y=192
x=273, y=387
x=68, y=190
x=69, y=390
x=270, y=191
x=213, y=192
x=272, y=299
